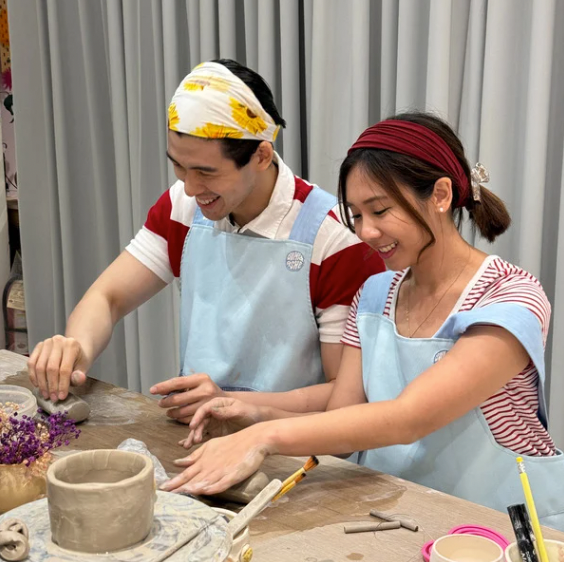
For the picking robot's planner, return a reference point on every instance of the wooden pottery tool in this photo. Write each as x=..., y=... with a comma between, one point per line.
x=249, y=512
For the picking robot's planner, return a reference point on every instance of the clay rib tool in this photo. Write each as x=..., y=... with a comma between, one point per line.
x=254, y=507
x=403, y=522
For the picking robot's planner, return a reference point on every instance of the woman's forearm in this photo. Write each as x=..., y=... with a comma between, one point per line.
x=342, y=431
x=302, y=400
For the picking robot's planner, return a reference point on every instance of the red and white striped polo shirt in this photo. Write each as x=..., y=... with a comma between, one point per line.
x=340, y=261
x=511, y=413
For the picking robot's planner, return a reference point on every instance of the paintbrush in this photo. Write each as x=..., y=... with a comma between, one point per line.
x=299, y=475
x=289, y=486
x=312, y=462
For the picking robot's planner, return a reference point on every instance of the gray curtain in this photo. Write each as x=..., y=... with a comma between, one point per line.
x=92, y=79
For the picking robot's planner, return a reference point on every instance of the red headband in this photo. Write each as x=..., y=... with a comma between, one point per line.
x=412, y=139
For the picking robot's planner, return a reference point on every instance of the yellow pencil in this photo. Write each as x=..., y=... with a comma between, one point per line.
x=532, y=510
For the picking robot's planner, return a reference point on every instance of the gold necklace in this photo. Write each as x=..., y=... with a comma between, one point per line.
x=410, y=335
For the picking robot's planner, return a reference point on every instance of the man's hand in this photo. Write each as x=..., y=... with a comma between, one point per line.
x=57, y=363
x=184, y=395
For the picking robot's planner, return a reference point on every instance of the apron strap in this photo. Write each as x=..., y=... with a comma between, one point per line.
x=200, y=219
x=517, y=320
x=313, y=212
x=375, y=293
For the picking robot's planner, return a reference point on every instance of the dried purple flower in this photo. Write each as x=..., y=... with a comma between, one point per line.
x=23, y=440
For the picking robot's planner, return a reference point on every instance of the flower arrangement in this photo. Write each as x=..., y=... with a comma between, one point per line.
x=24, y=452
x=25, y=440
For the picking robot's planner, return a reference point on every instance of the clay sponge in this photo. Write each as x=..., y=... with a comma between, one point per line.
x=76, y=408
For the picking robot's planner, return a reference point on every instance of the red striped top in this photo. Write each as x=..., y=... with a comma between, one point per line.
x=340, y=262
x=511, y=412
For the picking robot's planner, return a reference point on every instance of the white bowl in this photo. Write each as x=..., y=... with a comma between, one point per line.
x=27, y=404
x=553, y=549
x=465, y=548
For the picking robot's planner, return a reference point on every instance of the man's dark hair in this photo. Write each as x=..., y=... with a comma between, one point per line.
x=241, y=150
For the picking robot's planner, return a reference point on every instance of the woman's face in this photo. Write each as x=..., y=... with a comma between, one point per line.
x=383, y=224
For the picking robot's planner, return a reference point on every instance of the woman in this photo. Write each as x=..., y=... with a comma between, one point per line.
x=442, y=380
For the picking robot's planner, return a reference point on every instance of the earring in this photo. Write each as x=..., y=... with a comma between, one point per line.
x=441, y=210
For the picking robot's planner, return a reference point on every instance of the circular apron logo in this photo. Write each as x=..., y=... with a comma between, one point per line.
x=439, y=355
x=295, y=261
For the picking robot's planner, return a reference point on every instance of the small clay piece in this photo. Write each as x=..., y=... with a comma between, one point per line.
x=14, y=543
x=76, y=408
x=100, y=501
x=13, y=524
x=406, y=523
x=250, y=511
x=365, y=527
x=246, y=490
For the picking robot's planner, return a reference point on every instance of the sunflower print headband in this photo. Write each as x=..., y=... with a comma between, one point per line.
x=213, y=103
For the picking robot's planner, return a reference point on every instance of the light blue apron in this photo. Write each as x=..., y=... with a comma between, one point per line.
x=463, y=458
x=246, y=316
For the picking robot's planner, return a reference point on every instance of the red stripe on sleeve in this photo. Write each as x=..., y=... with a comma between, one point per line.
x=333, y=216
x=158, y=218
x=177, y=235
x=302, y=190
x=159, y=222
x=339, y=277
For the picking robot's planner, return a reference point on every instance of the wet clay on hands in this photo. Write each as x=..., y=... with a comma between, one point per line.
x=101, y=501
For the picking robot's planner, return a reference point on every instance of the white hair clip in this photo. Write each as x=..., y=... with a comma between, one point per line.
x=478, y=175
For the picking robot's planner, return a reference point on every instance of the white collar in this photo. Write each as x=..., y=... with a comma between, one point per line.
x=267, y=223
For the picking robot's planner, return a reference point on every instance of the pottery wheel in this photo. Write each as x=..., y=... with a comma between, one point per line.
x=176, y=518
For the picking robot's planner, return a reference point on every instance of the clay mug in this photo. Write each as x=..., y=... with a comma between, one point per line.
x=554, y=549
x=101, y=501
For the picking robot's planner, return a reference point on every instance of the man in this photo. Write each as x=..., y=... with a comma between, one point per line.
x=267, y=270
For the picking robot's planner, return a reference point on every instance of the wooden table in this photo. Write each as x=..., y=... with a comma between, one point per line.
x=307, y=524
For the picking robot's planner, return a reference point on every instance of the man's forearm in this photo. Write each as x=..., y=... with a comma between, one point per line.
x=91, y=324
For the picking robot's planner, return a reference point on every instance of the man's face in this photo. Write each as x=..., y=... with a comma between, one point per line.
x=219, y=187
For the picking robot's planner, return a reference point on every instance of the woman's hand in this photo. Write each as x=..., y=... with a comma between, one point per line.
x=220, y=417
x=221, y=463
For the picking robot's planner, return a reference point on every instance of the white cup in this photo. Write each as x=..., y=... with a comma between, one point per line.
x=554, y=549
x=465, y=548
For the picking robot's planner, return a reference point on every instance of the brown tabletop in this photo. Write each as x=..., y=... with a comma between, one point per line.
x=307, y=524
